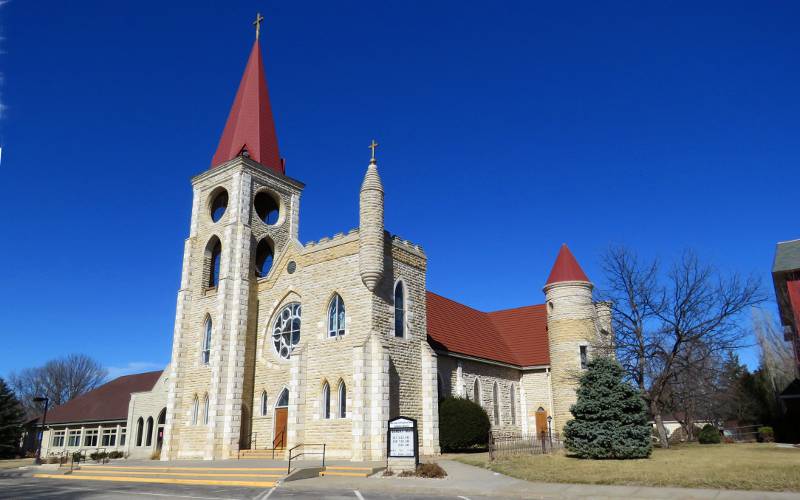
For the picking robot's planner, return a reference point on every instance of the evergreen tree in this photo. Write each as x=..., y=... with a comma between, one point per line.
x=610, y=416
x=11, y=419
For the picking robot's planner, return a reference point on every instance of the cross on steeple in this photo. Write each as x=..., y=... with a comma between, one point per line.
x=257, y=23
x=373, y=146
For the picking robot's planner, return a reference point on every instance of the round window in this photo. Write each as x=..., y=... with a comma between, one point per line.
x=267, y=207
x=219, y=202
x=286, y=330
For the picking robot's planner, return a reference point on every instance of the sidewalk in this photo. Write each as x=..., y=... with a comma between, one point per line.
x=466, y=480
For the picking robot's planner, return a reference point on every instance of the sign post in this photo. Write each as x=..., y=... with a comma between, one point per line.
x=403, y=444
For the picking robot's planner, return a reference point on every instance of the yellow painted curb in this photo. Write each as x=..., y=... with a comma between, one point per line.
x=191, y=474
x=207, y=482
x=148, y=467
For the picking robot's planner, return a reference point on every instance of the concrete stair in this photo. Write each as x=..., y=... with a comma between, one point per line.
x=279, y=454
x=347, y=471
x=254, y=477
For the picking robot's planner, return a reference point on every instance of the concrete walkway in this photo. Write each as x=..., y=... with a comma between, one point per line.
x=468, y=481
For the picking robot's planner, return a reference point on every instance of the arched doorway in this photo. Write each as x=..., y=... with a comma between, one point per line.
x=162, y=420
x=281, y=418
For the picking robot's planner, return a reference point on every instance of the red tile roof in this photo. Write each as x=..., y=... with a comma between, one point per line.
x=107, y=402
x=514, y=336
x=250, y=124
x=566, y=268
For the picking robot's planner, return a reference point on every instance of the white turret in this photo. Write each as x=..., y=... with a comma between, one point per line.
x=370, y=222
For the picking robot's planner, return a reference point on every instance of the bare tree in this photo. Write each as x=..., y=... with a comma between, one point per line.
x=60, y=380
x=775, y=353
x=671, y=325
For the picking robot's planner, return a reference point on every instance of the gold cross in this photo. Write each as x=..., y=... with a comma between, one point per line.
x=372, y=147
x=257, y=23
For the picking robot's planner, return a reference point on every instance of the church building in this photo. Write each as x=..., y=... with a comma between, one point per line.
x=279, y=343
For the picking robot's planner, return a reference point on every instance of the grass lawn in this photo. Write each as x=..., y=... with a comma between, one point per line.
x=15, y=462
x=729, y=466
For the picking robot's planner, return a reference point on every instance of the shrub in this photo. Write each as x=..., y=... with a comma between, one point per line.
x=53, y=460
x=610, y=416
x=463, y=425
x=77, y=456
x=430, y=469
x=767, y=434
x=98, y=455
x=709, y=435
x=115, y=454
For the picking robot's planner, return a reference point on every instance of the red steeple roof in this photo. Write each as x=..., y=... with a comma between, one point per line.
x=566, y=268
x=250, y=126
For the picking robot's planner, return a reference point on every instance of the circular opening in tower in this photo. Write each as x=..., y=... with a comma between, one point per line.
x=218, y=204
x=267, y=207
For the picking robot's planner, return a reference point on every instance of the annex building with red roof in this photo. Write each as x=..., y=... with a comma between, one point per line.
x=278, y=343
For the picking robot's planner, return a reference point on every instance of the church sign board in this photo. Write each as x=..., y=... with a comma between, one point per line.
x=403, y=439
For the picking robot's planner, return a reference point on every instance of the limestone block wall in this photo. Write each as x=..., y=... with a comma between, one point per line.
x=535, y=393
x=459, y=376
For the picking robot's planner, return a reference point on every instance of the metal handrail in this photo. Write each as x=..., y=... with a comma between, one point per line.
x=289, y=468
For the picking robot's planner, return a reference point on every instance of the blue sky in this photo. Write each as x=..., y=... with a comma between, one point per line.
x=506, y=128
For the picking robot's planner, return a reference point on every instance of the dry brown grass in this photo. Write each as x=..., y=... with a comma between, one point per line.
x=728, y=466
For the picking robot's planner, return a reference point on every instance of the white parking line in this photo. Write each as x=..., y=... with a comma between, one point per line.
x=463, y=498
x=358, y=495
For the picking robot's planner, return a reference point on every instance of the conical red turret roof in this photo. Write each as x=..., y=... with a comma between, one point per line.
x=566, y=268
x=250, y=125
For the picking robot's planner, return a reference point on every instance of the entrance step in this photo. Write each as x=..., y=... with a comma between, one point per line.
x=254, y=477
x=347, y=471
x=279, y=454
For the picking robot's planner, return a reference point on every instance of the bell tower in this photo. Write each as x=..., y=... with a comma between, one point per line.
x=245, y=211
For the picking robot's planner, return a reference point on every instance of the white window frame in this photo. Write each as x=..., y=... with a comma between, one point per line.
x=90, y=438
x=58, y=439
x=264, y=404
x=123, y=434
x=279, y=324
x=208, y=332
x=206, y=409
x=325, y=401
x=341, y=396
x=337, y=317
x=195, y=409
x=74, y=438
x=109, y=437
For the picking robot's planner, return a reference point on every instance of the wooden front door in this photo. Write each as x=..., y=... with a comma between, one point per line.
x=541, y=422
x=279, y=441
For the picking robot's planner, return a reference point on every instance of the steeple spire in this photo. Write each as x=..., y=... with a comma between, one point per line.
x=250, y=129
x=370, y=225
x=566, y=268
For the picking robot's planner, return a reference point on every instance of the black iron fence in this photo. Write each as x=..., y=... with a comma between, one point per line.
x=523, y=444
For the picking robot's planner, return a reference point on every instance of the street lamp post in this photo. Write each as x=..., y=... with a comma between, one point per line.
x=550, y=430
x=46, y=401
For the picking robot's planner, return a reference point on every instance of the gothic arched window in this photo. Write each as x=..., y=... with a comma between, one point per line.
x=264, y=407
x=336, y=317
x=512, y=397
x=206, y=355
x=149, y=432
x=283, y=399
x=195, y=409
x=496, y=403
x=476, y=391
x=265, y=254
x=342, y=400
x=206, y=410
x=213, y=257
x=399, y=310
x=326, y=401
x=286, y=330
x=139, y=431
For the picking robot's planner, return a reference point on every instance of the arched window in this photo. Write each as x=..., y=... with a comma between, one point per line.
x=496, y=403
x=149, y=433
x=476, y=392
x=139, y=431
x=267, y=207
x=342, y=400
x=399, y=310
x=336, y=317
x=283, y=399
x=265, y=255
x=218, y=204
x=512, y=397
x=195, y=409
x=326, y=401
x=206, y=355
x=205, y=410
x=264, y=408
x=213, y=257
x=286, y=330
